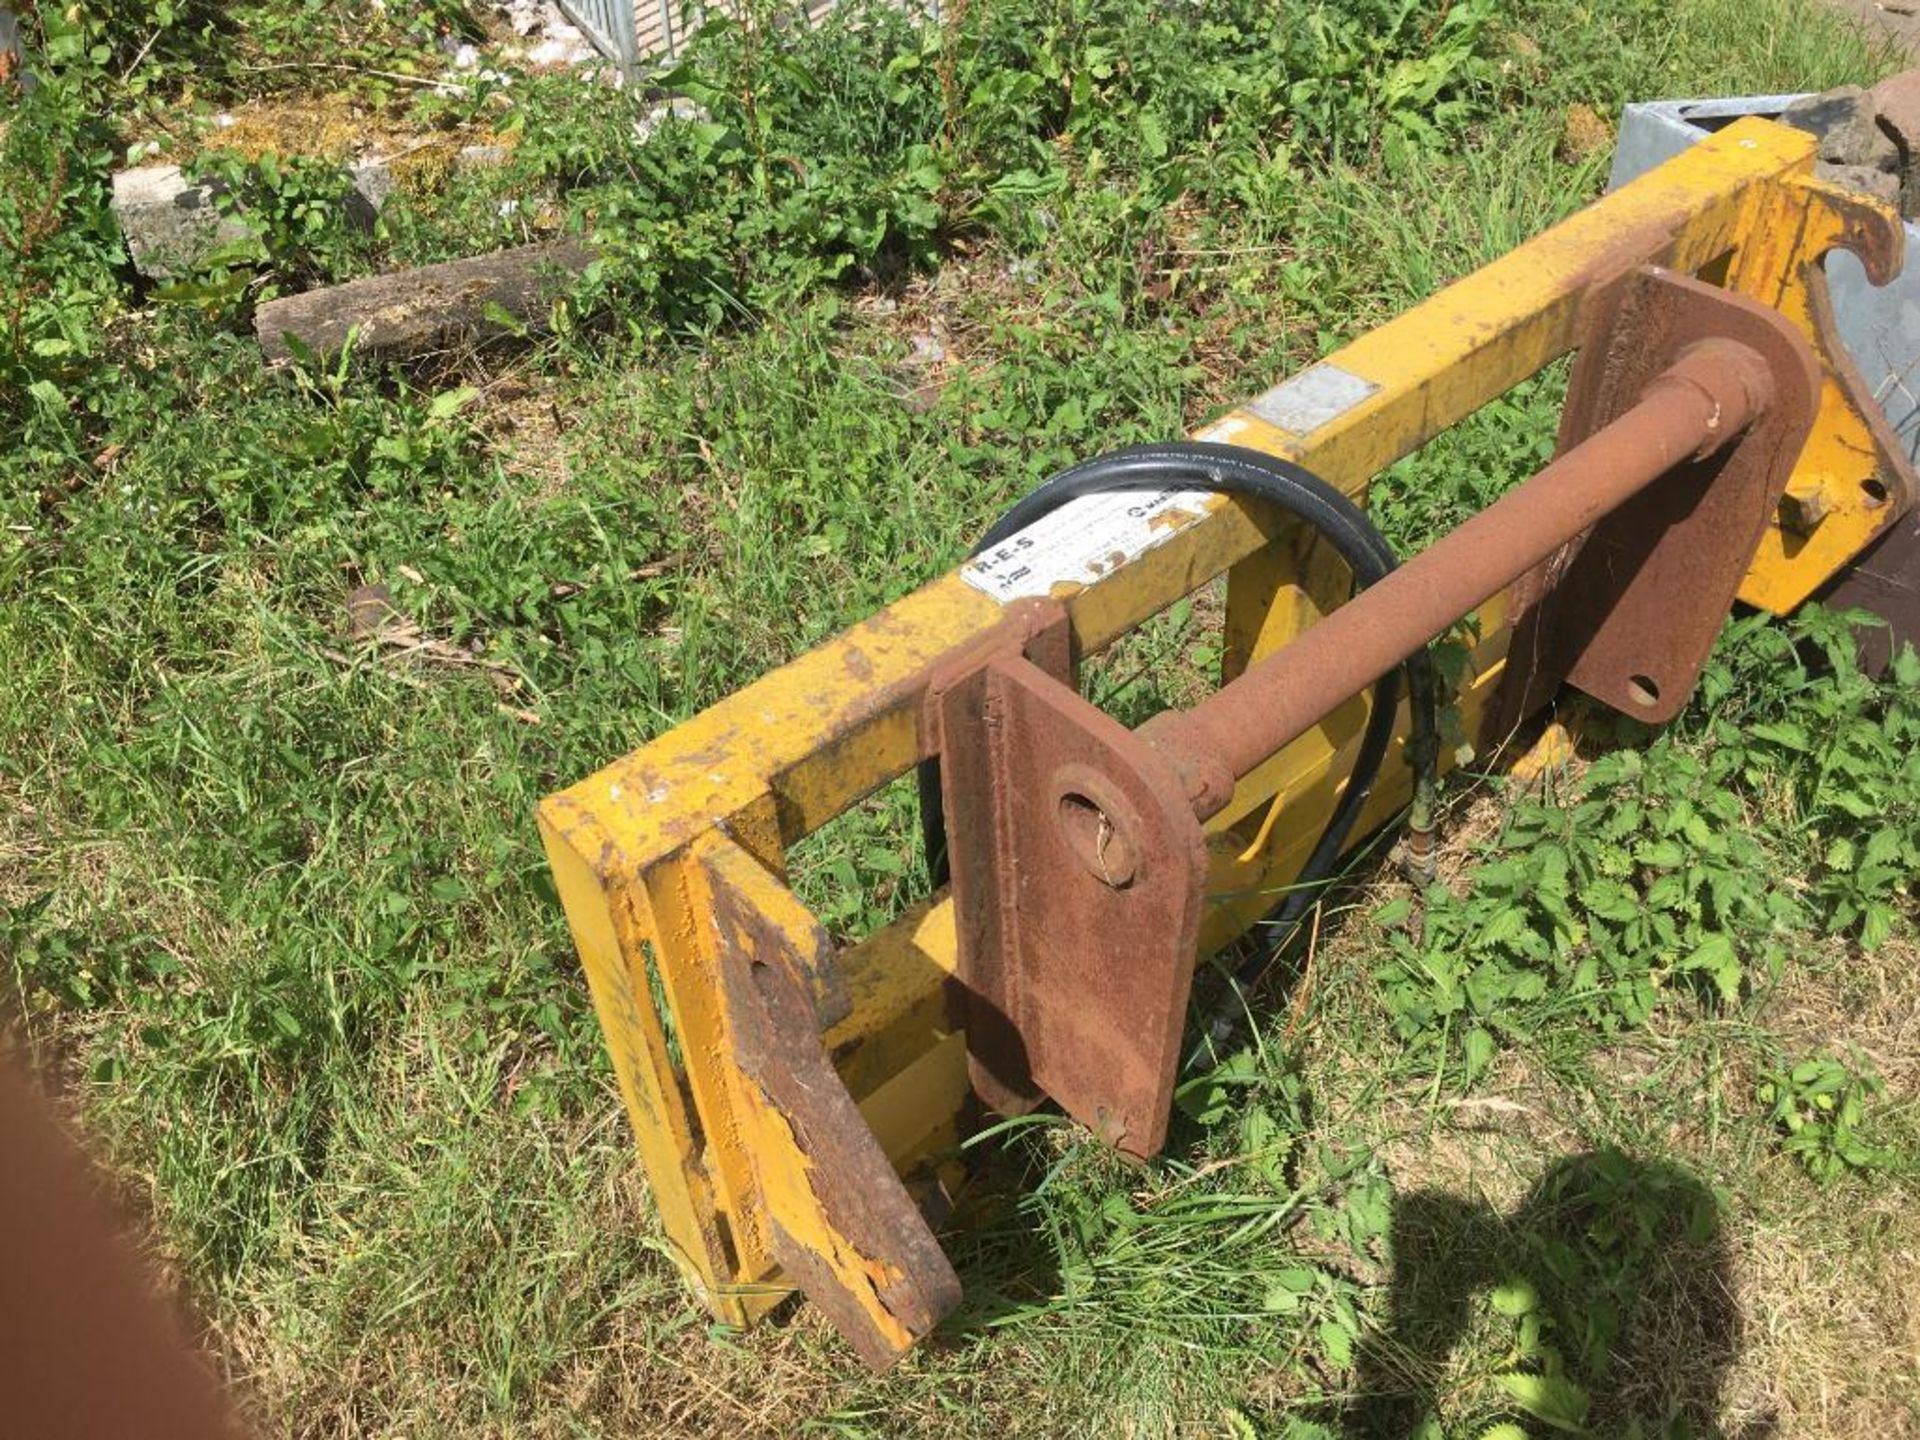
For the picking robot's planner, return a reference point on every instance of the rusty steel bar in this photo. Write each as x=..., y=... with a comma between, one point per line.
x=1708, y=396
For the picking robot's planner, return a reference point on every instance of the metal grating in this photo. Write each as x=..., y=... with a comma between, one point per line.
x=609, y=24
x=630, y=32
x=658, y=36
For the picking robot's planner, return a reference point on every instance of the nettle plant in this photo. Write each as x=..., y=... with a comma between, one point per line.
x=1820, y=1108
x=1846, y=748
x=296, y=210
x=867, y=146
x=1658, y=871
x=1647, y=877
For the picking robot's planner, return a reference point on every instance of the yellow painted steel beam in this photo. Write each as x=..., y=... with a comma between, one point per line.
x=795, y=748
x=1851, y=483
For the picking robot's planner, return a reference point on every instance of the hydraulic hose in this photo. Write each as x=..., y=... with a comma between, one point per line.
x=1234, y=470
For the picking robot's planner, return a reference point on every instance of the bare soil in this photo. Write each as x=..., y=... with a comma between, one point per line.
x=1896, y=20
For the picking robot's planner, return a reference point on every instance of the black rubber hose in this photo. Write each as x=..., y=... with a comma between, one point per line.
x=1233, y=470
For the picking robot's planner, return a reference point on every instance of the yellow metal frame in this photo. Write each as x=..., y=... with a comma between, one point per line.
x=637, y=847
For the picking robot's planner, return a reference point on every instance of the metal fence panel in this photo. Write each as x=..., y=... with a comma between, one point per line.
x=632, y=31
x=609, y=25
x=659, y=33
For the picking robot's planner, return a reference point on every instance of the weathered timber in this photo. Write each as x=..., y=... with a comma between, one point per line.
x=414, y=311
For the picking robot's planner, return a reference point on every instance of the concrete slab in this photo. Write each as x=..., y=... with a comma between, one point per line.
x=170, y=223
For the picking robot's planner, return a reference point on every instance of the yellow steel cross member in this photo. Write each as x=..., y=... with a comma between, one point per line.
x=670, y=861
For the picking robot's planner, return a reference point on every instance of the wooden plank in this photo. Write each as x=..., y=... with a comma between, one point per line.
x=416, y=311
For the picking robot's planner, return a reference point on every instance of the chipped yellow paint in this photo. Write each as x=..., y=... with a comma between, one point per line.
x=790, y=751
x=1553, y=751
x=1851, y=459
x=783, y=1174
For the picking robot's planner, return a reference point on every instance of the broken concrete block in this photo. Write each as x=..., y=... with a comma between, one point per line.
x=372, y=180
x=1896, y=100
x=171, y=224
x=1845, y=121
x=1861, y=179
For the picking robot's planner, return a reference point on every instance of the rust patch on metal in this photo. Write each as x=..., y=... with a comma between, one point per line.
x=1033, y=627
x=1868, y=228
x=858, y=665
x=1173, y=521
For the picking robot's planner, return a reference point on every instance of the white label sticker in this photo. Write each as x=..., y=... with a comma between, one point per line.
x=1312, y=398
x=1080, y=542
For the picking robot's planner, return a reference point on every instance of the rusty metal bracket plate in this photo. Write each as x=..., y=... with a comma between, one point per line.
x=1078, y=871
x=1629, y=612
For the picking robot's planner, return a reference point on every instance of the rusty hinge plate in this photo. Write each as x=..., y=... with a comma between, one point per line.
x=1629, y=612
x=1078, y=871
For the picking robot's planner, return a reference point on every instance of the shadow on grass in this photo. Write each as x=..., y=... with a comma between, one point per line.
x=1611, y=1276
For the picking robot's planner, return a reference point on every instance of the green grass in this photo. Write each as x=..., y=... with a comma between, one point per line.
x=272, y=908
